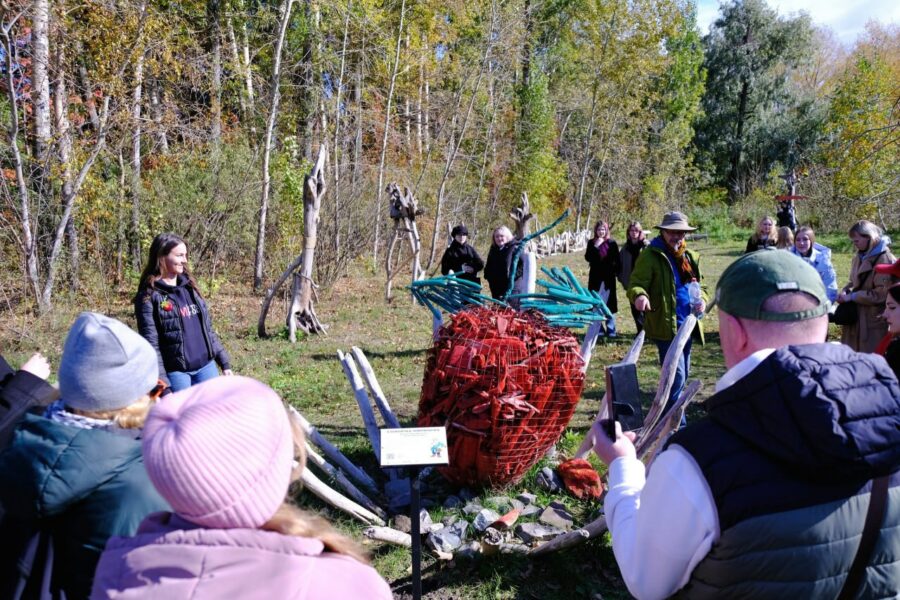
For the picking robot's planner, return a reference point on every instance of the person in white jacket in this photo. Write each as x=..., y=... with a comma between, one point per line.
x=766, y=496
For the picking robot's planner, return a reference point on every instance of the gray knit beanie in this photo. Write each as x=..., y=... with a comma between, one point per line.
x=105, y=365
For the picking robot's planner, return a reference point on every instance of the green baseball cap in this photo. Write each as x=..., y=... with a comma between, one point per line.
x=753, y=278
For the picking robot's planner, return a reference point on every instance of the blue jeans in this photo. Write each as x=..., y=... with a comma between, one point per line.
x=681, y=372
x=182, y=380
x=611, y=326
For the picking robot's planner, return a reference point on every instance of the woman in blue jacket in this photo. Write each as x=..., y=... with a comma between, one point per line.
x=173, y=317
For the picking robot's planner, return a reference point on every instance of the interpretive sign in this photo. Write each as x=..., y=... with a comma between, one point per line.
x=414, y=446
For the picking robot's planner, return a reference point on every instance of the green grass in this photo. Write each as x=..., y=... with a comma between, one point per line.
x=395, y=337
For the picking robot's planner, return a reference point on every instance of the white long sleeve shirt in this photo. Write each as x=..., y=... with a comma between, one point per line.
x=663, y=525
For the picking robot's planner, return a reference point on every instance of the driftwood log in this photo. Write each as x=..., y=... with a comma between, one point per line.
x=388, y=535
x=338, y=477
x=390, y=420
x=337, y=500
x=336, y=456
x=404, y=208
x=302, y=314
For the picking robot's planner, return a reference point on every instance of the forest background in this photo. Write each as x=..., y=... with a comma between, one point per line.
x=128, y=118
x=124, y=119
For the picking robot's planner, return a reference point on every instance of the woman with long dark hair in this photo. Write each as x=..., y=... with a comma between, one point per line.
x=635, y=243
x=889, y=347
x=173, y=317
x=602, y=254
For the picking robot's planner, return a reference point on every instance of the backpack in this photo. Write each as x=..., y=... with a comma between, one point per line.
x=20, y=392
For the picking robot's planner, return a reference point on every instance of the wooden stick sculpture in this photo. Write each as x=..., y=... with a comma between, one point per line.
x=654, y=442
x=301, y=313
x=362, y=400
x=335, y=499
x=667, y=374
x=404, y=208
x=651, y=437
x=390, y=420
x=338, y=477
x=336, y=456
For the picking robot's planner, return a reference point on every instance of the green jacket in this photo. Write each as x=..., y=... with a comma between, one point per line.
x=653, y=277
x=82, y=486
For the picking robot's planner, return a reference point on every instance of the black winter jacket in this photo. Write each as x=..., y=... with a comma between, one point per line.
x=163, y=329
x=499, y=264
x=456, y=256
x=604, y=270
x=20, y=391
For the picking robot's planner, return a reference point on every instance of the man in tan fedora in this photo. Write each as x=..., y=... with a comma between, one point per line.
x=659, y=288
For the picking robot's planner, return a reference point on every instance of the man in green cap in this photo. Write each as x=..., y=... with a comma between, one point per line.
x=790, y=486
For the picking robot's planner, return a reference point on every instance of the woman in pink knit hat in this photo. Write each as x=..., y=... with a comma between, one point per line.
x=221, y=453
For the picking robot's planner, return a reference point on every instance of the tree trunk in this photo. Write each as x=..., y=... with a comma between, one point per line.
x=213, y=16
x=87, y=94
x=26, y=239
x=735, y=177
x=335, y=163
x=454, y=147
x=237, y=65
x=157, y=110
x=419, y=106
x=585, y=165
x=384, y=138
x=267, y=147
x=64, y=135
x=136, y=161
x=40, y=87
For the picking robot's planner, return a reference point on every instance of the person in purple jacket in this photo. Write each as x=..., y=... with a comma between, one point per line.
x=222, y=454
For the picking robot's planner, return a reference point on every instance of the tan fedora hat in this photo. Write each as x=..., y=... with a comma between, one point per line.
x=675, y=221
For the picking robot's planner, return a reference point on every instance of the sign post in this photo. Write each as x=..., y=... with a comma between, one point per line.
x=414, y=447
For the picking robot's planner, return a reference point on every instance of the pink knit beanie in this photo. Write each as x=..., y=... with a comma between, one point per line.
x=221, y=452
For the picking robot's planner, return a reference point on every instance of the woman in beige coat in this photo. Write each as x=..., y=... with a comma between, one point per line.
x=867, y=288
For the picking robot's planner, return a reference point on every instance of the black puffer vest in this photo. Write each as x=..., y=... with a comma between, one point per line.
x=162, y=328
x=788, y=452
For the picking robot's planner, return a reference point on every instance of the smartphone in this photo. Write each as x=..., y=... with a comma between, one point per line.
x=609, y=425
x=623, y=399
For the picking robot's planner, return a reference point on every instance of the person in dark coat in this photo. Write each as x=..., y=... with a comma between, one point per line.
x=75, y=477
x=634, y=244
x=461, y=257
x=499, y=263
x=173, y=316
x=602, y=254
x=22, y=390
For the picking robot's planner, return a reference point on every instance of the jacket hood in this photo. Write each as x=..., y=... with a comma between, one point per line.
x=165, y=287
x=50, y=466
x=826, y=412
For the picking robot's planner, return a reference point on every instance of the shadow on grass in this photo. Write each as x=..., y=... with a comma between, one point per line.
x=370, y=354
